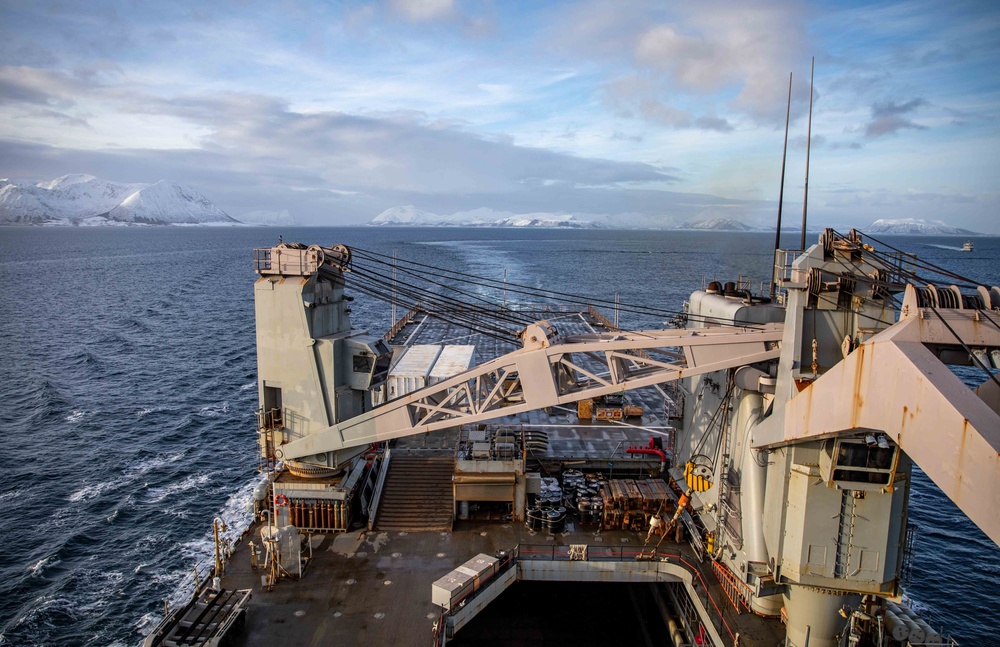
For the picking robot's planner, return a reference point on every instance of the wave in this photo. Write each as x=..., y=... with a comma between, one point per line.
x=214, y=410
x=83, y=358
x=135, y=325
x=141, y=466
x=42, y=401
x=39, y=567
x=93, y=491
x=156, y=495
x=76, y=416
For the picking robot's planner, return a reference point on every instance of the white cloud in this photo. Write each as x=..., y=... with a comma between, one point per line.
x=424, y=10
x=730, y=53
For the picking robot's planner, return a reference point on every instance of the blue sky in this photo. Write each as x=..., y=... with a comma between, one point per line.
x=337, y=111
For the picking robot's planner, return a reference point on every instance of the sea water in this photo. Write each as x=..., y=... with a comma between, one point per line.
x=129, y=387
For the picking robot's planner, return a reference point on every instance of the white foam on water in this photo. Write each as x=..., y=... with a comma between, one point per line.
x=155, y=495
x=89, y=492
x=199, y=554
x=142, y=413
x=76, y=416
x=142, y=466
x=92, y=600
x=247, y=387
x=39, y=567
x=214, y=410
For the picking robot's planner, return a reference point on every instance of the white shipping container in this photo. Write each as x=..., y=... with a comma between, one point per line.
x=410, y=372
x=450, y=589
x=454, y=359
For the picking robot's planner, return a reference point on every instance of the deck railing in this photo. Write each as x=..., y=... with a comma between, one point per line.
x=547, y=552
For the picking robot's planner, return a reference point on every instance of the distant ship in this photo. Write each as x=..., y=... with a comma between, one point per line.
x=967, y=246
x=751, y=465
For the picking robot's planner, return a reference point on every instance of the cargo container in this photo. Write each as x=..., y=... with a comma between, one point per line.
x=454, y=359
x=410, y=373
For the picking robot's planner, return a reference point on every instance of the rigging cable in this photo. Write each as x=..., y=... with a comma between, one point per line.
x=511, y=316
x=453, y=317
x=552, y=295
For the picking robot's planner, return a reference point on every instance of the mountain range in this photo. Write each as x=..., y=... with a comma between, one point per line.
x=916, y=227
x=85, y=200
x=410, y=216
x=708, y=220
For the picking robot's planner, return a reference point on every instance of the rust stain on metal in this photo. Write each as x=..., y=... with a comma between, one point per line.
x=961, y=453
x=806, y=396
x=858, y=401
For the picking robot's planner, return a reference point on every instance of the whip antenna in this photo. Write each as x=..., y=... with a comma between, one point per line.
x=805, y=198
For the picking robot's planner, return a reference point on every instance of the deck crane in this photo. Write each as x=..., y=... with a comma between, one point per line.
x=831, y=398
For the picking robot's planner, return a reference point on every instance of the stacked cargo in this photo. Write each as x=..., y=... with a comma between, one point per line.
x=454, y=359
x=411, y=371
x=629, y=504
x=450, y=590
x=581, y=492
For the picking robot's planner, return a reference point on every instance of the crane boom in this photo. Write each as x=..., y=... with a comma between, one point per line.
x=547, y=372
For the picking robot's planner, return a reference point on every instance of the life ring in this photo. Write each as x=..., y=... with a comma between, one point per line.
x=280, y=500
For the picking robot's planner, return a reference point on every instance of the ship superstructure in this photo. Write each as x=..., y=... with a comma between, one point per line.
x=781, y=434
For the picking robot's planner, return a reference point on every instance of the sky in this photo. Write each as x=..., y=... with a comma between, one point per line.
x=336, y=111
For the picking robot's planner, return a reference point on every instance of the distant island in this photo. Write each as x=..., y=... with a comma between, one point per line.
x=86, y=201
x=916, y=227
x=410, y=216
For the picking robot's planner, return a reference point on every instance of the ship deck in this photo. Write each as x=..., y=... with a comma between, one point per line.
x=374, y=587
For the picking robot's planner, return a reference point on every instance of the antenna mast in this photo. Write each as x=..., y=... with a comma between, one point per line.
x=781, y=189
x=805, y=198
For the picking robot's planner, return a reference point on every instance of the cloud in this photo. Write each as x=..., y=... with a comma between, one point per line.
x=256, y=144
x=316, y=195
x=423, y=10
x=635, y=96
x=887, y=118
x=399, y=152
x=729, y=51
x=36, y=86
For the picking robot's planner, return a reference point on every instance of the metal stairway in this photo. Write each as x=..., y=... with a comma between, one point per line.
x=845, y=540
x=417, y=494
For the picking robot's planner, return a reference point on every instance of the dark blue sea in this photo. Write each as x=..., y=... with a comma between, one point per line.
x=128, y=389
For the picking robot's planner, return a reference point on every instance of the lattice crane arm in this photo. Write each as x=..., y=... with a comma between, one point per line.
x=548, y=371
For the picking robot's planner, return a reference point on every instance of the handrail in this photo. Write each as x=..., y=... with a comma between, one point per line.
x=545, y=552
x=377, y=495
x=601, y=319
x=403, y=321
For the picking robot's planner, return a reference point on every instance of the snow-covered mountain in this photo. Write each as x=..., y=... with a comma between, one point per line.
x=80, y=199
x=544, y=220
x=67, y=198
x=166, y=203
x=715, y=224
x=482, y=217
x=268, y=218
x=410, y=216
x=915, y=226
